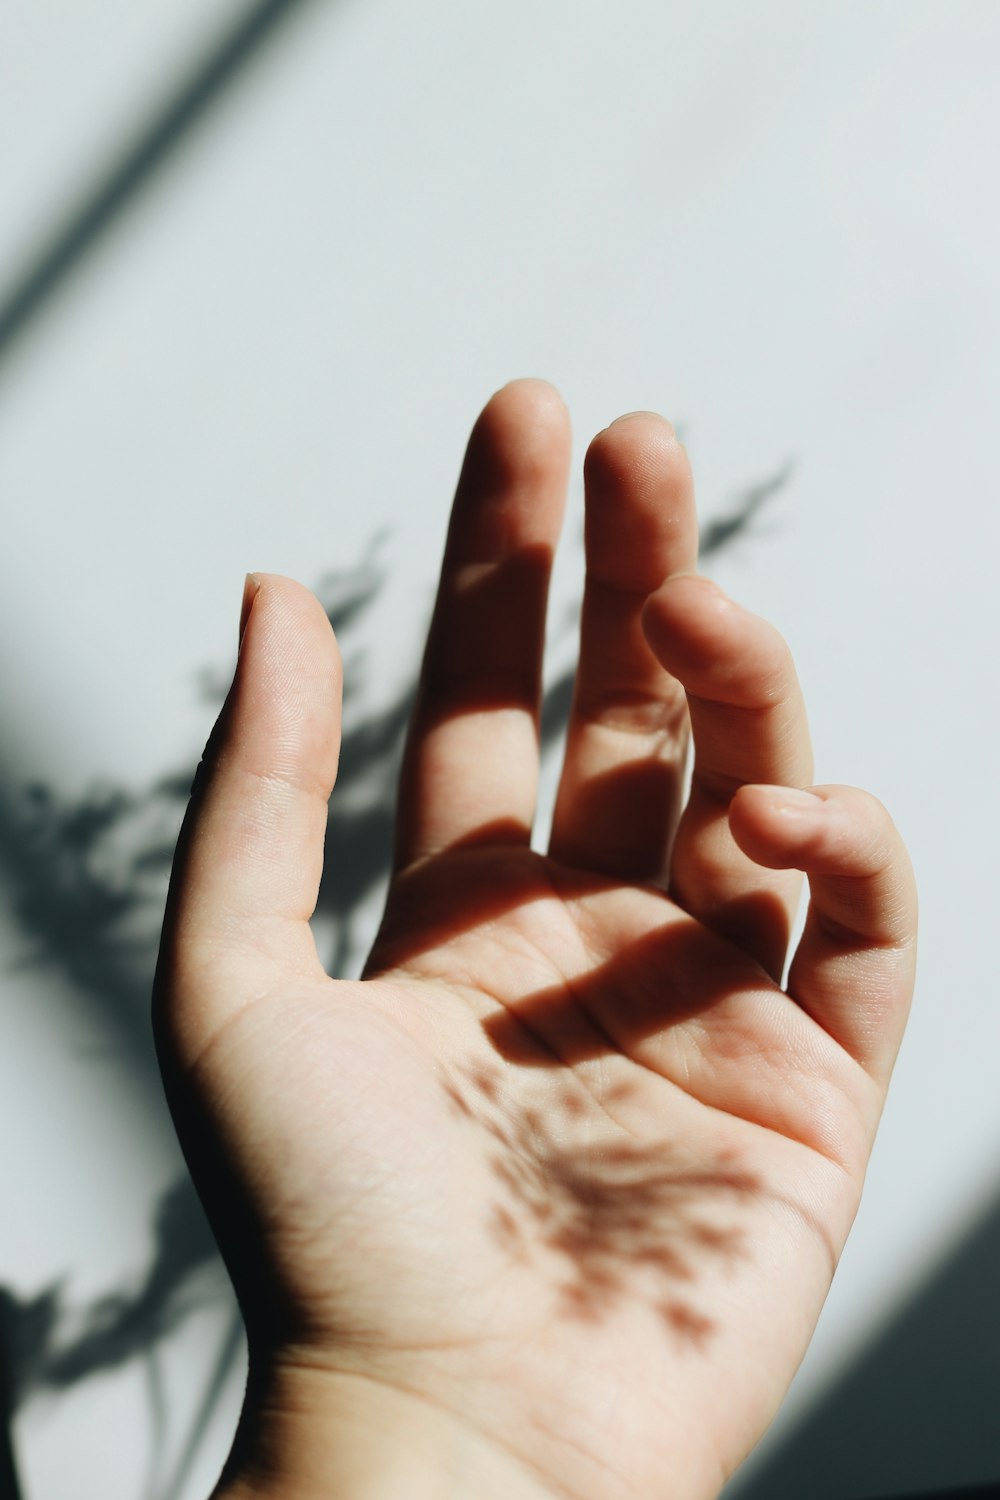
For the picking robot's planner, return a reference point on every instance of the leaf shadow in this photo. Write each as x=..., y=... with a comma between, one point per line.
x=607, y=1220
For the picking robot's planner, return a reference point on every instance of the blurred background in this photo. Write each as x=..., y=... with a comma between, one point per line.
x=260, y=265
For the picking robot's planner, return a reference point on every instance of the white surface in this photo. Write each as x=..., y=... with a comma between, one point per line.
x=775, y=223
x=75, y=81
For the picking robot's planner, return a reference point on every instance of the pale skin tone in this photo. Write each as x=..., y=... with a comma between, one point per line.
x=547, y=1203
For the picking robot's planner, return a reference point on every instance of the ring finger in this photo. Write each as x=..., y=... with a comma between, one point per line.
x=748, y=724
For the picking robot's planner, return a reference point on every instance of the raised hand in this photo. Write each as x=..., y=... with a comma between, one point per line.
x=547, y=1203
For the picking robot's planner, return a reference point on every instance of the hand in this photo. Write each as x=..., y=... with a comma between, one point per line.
x=548, y=1202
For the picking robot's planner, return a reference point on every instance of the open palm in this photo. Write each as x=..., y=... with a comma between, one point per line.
x=567, y=1173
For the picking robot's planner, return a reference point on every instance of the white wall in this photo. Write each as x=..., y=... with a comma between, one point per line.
x=776, y=223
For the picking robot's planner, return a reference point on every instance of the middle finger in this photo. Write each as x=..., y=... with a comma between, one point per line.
x=627, y=735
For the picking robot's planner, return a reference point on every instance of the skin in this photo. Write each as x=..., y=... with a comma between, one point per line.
x=548, y=1202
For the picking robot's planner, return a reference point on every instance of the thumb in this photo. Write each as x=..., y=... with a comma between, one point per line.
x=249, y=857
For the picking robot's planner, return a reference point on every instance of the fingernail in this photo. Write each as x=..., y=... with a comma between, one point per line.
x=628, y=415
x=251, y=588
x=792, y=799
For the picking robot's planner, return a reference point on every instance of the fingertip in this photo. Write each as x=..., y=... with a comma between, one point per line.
x=835, y=831
x=279, y=608
x=666, y=613
x=284, y=709
x=640, y=518
x=774, y=825
x=521, y=405
x=533, y=388
x=637, y=446
x=717, y=648
x=520, y=445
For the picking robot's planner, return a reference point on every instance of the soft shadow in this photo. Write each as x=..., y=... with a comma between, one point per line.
x=89, y=879
x=136, y=166
x=611, y=1216
x=608, y=1217
x=10, y=1489
x=123, y=1323
x=722, y=531
x=916, y=1413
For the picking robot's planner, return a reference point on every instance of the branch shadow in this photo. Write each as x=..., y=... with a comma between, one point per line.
x=134, y=169
x=89, y=879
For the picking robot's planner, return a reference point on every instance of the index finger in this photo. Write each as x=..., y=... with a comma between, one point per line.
x=470, y=770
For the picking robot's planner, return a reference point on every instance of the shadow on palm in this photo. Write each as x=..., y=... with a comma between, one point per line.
x=606, y=1170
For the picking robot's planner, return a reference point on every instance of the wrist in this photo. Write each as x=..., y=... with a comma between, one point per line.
x=328, y=1435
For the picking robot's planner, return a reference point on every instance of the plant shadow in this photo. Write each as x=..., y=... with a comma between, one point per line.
x=89, y=880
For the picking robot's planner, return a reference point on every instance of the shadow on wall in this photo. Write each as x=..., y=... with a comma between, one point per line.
x=90, y=879
x=135, y=168
x=919, y=1409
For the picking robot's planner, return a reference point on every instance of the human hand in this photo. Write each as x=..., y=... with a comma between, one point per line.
x=548, y=1202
